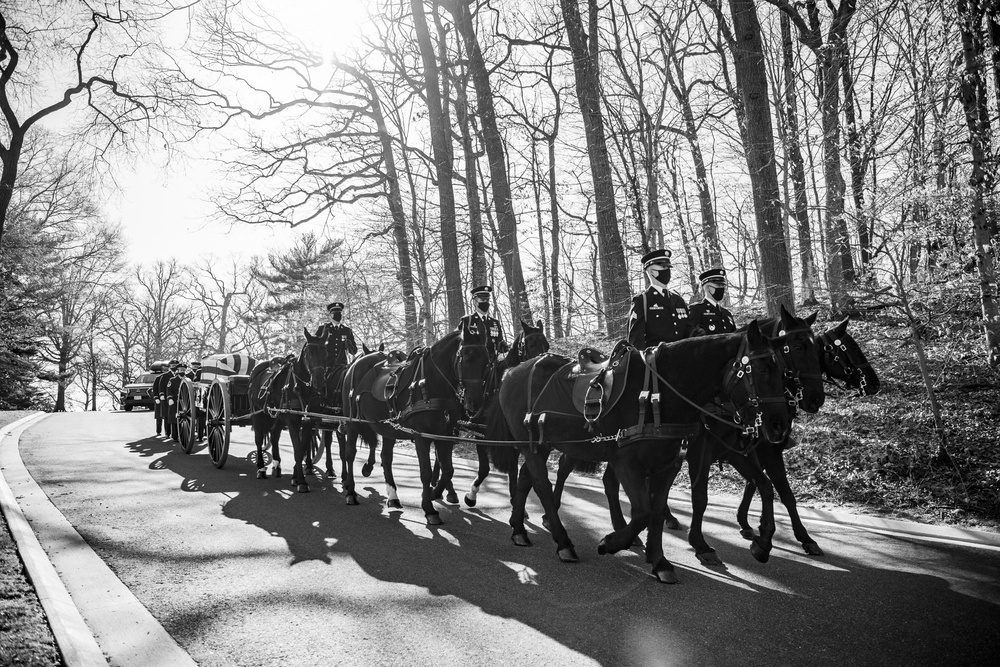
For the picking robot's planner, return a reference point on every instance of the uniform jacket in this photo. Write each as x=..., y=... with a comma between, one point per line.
x=160, y=386
x=658, y=318
x=341, y=341
x=495, y=341
x=173, y=386
x=708, y=318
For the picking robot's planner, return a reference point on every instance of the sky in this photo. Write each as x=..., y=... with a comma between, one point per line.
x=165, y=208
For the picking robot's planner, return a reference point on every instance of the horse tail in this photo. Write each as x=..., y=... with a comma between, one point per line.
x=502, y=457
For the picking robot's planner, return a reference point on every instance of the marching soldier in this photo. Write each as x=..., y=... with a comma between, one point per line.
x=173, y=385
x=710, y=317
x=341, y=341
x=159, y=402
x=658, y=314
x=480, y=321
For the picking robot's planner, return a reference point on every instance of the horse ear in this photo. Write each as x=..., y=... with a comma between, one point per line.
x=539, y=324
x=381, y=347
x=309, y=337
x=754, y=336
x=786, y=317
x=812, y=318
x=525, y=326
x=841, y=328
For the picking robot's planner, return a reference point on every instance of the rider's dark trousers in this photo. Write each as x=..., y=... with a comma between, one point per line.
x=172, y=422
x=158, y=415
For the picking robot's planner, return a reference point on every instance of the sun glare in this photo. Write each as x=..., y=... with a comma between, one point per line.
x=329, y=26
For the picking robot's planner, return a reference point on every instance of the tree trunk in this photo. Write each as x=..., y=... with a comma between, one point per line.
x=536, y=191
x=554, y=263
x=476, y=246
x=441, y=143
x=796, y=168
x=751, y=80
x=507, y=245
x=982, y=179
x=855, y=157
x=614, y=273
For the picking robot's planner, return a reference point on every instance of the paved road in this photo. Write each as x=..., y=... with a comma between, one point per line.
x=243, y=572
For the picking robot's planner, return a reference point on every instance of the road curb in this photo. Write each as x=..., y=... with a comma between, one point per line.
x=76, y=642
x=964, y=536
x=117, y=623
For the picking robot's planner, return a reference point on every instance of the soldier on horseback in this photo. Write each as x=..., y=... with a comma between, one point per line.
x=658, y=314
x=340, y=341
x=710, y=316
x=481, y=321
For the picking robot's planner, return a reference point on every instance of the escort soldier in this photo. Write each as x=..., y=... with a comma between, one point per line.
x=479, y=321
x=159, y=400
x=710, y=317
x=658, y=314
x=341, y=338
x=172, y=389
x=195, y=375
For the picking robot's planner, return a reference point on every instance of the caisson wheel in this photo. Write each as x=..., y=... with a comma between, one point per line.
x=217, y=423
x=187, y=414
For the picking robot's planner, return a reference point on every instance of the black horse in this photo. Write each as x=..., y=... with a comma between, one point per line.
x=720, y=441
x=840, y=359
x=266, y=382
x=743, y=366
x=303, y=391
x=423, y=398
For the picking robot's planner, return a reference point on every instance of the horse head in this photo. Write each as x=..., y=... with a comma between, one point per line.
x=841, y=359
x=473, y=365
x=757, y=386
x=315, y=359
x=532, y=341
x=799, y=351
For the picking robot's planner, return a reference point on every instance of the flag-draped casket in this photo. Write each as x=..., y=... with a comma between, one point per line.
x=218, y=366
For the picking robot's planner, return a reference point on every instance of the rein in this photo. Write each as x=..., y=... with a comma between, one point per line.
x=850, y=367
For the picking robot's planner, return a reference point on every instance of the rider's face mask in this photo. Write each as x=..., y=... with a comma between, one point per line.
x=337, y=316
x=716, y=291
x=483, y=305
x=659, y=272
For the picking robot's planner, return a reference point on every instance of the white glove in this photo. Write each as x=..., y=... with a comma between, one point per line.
x=170, y=402
x=156, y=400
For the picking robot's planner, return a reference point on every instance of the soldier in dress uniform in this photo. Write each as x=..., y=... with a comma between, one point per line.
x=658, y=314
x=710, y=317
x=479, y=320
x=172, y=388
x=194, y=373
x=159, y=400
x=341, y=341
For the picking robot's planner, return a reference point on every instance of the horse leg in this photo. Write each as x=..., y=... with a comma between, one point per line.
x=633, y=480
x=423, y=446
x=481, y=475
x=300, y=444
x=744, y=509
x=611, y=486
x=535, y=462
x=392, y=500
x=348, y=450
x=369, y=465
x=443, y=451
x=699, y=458
x=521, y=486
x=774, y=467
x=670, y=522
x=275, y=436
x=760, y=546
x=566, y=466
x=259, y=434
x=659, y=487
x=328, y=445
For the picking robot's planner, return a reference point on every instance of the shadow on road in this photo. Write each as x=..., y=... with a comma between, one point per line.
x=852, y=610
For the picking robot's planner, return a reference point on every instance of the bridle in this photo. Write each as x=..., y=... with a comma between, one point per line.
x=522, y=346
x=740, y=375
x=838, y=353
x=793, y=375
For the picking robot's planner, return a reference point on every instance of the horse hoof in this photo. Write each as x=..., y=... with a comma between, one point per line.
x=520, y=540
x=470, y=501
x=301, y=488
x=366, y=469
x=747, y=533
x=709, y=558
x=637, y=542
x=760, y=554
x=277, y=472
x=452, y=498
x=672, y=524
x=394, y=504
x=352, y=499
x=261, y=474
x=602, y=547
x=331, y=474
x=665, y=576
x=812, y=549
x=568, y=555
x=545, y=522
x=434, y=520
